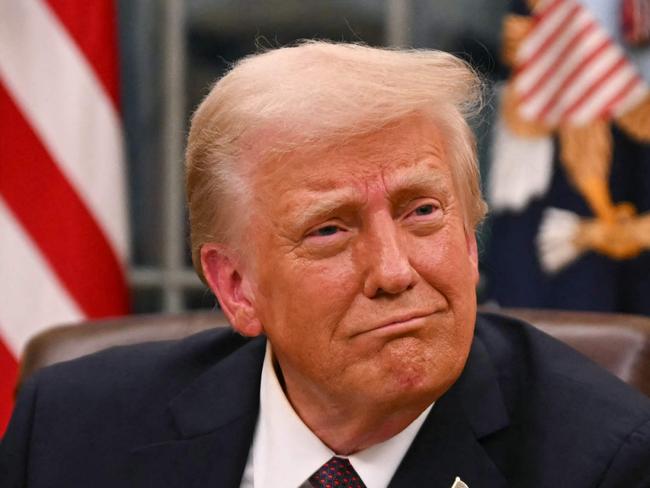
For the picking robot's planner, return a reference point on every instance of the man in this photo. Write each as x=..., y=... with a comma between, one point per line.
x=333, y=195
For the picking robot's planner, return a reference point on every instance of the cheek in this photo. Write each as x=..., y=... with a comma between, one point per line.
x=303, y=292
x=444, y=262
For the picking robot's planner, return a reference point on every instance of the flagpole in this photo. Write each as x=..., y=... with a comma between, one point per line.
x=174, y=69
x=398, y=20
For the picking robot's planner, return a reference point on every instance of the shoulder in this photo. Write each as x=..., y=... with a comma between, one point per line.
x=526, y=355
x=146, y=361
x=95, y=409
x=128, y=387
x=152, y=371
x=566, y=408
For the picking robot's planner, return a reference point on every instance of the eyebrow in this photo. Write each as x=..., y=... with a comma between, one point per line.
x=328, y=203
x=346, y=199
x=417, y=184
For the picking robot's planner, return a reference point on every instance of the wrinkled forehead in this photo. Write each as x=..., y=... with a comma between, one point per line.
x=274, y=164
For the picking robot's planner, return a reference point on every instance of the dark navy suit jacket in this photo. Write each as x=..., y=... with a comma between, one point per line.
x=527, y=411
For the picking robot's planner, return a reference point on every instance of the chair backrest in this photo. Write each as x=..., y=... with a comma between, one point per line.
x=619, y=343
x=65, y=342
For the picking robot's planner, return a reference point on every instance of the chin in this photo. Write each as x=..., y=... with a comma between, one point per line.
x=419, y=374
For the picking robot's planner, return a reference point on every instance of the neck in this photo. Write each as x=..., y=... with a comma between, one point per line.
x=349, y=426
x=344, y=436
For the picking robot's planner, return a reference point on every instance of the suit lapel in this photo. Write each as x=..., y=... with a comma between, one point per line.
x=215, y=418
x=449, y=442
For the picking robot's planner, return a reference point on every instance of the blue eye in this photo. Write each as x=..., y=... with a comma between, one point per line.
x=424, y=210
x=328, y=230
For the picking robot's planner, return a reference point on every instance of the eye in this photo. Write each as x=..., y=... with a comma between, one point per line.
x=427, y=209
x=326, y=240
x=424, y=210
x=424, y=215
x=327, y=230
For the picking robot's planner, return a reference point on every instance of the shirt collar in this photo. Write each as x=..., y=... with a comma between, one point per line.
x=287, y=453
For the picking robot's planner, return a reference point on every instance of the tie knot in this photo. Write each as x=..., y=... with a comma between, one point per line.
x=336, y=473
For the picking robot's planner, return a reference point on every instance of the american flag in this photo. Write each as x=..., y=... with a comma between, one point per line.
x=636, y=21
x=570, y=71
x=63, y=221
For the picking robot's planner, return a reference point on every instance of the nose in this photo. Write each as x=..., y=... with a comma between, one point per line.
x=389, y=271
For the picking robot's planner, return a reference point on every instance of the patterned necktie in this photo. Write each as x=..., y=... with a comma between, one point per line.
x=336, y=473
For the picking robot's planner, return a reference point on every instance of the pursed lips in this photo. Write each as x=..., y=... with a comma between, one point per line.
x=398, y=323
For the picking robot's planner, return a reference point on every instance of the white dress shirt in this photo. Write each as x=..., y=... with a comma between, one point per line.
x=285, y=453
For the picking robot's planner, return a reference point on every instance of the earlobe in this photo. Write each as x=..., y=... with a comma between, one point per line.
x=229, y=282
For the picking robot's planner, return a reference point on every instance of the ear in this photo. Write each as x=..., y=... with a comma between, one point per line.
x=225, y=275
x=472, y=254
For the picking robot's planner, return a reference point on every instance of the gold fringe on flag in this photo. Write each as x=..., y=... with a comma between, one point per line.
x=586, y=154
x=532, y=4
x=515, y=29
x=636, y=122
x=517, y=124
x=625, y=239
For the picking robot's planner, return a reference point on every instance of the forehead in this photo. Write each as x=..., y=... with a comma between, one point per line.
x=407, y=150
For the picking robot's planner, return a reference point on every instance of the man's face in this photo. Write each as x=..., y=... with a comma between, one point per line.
x=364, y=276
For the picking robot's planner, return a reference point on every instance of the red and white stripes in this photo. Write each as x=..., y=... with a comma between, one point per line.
x=571, y=71
x=63, y=221
x=636, y=21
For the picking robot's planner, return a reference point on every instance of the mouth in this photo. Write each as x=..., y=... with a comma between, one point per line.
x=399, y=324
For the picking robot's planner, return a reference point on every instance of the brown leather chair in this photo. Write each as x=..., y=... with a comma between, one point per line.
x=619, y=343
x=65, y=342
